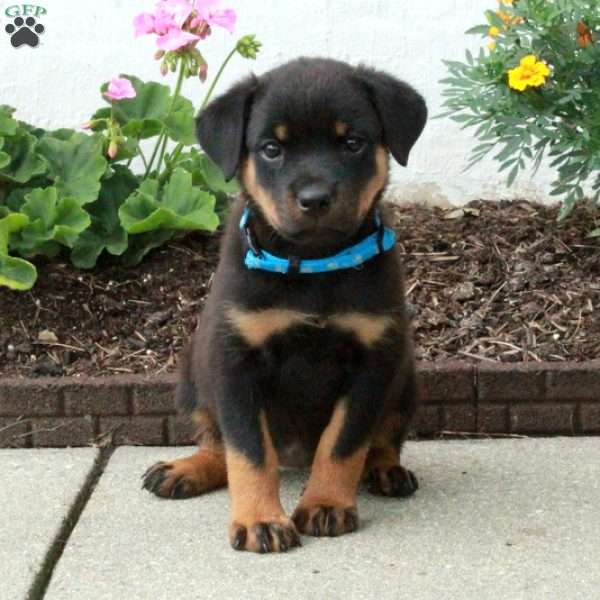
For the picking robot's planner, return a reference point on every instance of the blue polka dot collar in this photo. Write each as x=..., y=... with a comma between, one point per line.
x=378, y=242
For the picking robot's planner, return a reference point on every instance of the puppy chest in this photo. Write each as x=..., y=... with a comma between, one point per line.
x=258, y=328
x=306, y=357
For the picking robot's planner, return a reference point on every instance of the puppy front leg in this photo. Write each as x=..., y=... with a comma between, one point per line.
x=328, y=504
x=258, y=521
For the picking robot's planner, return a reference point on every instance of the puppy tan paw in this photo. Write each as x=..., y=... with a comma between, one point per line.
x=325, y=520
x=186, y=477
x=277, y=535
x=393, y=481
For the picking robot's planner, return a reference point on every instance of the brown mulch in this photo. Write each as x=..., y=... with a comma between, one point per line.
x=491, y=281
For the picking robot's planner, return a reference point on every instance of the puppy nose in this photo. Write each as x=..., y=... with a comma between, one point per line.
x=314, y=198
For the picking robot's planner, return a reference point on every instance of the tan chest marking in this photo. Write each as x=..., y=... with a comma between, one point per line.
x=256, y=327
x=368, y=328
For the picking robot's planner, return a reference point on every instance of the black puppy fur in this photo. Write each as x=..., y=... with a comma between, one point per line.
x=289, y=368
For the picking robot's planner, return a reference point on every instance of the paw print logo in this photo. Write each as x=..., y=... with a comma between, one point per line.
x=24, y=31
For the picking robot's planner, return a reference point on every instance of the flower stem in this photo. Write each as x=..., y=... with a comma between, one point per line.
x=162, y=152
x=154, y=153
x=139, y=149
x=173, y=157
x=182, y=70
x=161, y=143
x=218, y=76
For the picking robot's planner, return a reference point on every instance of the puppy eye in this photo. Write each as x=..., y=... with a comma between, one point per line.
x=271, y=150
x=354, y=144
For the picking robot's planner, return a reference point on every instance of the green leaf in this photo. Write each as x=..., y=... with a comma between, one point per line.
x=8, y=125
x=180, y=206
x=65, y=134
x=4, y=157
x=10, y=223
x=142, y=128
x=141, y=244
x=205, y=173
x=52, y=222
x=512, y=175
x=15, y=273
x=16, y=197
x=141, y=117
x=481, y=29
x=594, y=233
x=25, y=162
x=75, y=165
x=37, y=132
x=152, y=101
x=181, y=128
x=105, y=231
x=100, y=114
x=214, y=177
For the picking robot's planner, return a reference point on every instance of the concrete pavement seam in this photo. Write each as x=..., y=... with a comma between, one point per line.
x=42, y=579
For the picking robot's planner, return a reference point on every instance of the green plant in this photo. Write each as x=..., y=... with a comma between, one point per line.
x=535, y=92
x=72, y=191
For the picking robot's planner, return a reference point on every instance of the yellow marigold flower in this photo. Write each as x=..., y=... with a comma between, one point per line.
x=493, y=32
x=529, y=73
x=506, y=2
x=491, y=45
x=508, y=19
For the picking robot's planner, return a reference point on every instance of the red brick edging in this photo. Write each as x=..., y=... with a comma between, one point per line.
x=489, y=398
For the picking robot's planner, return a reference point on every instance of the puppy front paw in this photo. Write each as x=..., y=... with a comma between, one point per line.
x=325, y=520
x=393, y=481
x=167, y=481
x=186, y=477
x=278, y=535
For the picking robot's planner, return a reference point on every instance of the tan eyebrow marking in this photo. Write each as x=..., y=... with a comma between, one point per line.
x=281, y=132
x=341, y=128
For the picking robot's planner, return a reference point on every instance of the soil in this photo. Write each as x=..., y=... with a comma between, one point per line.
x=488, y=282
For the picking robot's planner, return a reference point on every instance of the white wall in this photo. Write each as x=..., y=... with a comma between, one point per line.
x=86, y=43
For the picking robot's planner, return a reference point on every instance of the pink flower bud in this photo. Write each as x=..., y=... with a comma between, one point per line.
x=86, y=125
x=112, y=149
x=159, y=54
x=164, y=68
x=203, y=72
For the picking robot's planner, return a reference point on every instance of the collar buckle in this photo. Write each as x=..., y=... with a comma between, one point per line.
x=252, y=242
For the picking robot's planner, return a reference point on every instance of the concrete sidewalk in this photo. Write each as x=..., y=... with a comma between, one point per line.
x=492, y=519
x=37, y=489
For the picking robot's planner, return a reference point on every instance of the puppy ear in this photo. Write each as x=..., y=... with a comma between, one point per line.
x=221, y=126
x=402, y=111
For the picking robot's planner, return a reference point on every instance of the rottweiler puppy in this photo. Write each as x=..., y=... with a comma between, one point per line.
x=303, y=353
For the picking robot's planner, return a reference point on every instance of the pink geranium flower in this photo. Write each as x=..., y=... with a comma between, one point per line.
x=120, y=88
x=180, y=24
x=179, y=10
x=172, y=15
x=163, y=20
x=208, y=10
x=223, y=18
x=143, y=24
x=176, y=38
